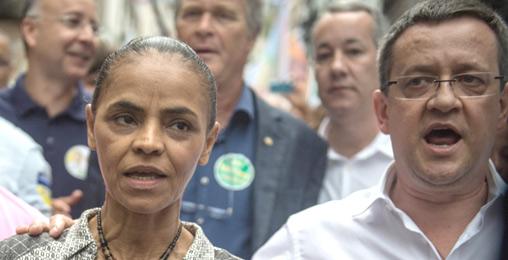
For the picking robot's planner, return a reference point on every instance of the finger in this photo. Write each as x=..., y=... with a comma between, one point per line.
x=20, y=230
x=57, y=226
x=60, y=207
x=37, y=228
x=73, y=198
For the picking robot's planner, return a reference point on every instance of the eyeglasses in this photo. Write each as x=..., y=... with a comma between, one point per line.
x=474, y=84
x=213, y=212
x=76, y=22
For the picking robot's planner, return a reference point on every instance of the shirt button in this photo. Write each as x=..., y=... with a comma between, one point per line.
x=204, y=180
x=50, y=140
x=200, y=221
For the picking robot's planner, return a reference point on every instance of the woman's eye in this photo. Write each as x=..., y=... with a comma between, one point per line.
x=125, y=120
x=180, y=126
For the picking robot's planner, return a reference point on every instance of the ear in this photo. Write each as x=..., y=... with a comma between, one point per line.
x=503, y=116
x=210, y=141
x=90, y=122
x=28, y=30
x=380, y=108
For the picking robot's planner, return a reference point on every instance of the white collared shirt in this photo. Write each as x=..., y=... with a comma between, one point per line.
x=346, y=175
x=367, y=225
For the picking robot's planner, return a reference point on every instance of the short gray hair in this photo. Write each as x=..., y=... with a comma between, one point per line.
x=381, y=23
x=140, y=47
x=253, y=9
x=440, y=11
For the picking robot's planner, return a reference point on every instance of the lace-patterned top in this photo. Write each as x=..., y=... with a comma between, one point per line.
x=77, y=243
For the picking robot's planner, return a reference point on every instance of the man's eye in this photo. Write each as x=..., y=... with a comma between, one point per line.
x=191, y=13
x=354, y=52
x=418, y=82
x=322, y=57
x=71, y=21
x=470, y=80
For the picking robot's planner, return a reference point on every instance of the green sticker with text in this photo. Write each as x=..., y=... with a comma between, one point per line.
x=234, y=171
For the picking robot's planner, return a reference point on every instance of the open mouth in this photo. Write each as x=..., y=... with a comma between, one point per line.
x=144, y=176
x=442, y=137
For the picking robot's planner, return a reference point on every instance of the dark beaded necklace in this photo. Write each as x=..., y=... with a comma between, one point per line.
x=107, y=252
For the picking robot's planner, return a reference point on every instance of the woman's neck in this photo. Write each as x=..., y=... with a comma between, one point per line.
x=140, y=236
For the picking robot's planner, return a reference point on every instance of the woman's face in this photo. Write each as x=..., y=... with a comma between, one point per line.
x=150, y=131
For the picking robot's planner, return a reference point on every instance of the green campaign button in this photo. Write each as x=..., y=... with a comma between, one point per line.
x=234, y=171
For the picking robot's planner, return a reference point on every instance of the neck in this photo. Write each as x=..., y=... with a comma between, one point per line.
x=440, y=215
x=349, y=135
x=228, y=96
x=140, y=236
x=55, y=95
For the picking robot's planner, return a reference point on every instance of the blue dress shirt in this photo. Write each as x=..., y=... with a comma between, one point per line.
x=225, y=215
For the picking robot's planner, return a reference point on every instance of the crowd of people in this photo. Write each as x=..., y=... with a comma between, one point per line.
x=169, y=154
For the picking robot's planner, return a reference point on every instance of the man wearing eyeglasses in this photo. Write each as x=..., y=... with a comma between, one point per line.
x=441, y=69
x=48, y=101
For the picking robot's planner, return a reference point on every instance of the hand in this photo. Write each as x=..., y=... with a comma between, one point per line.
x=63, y=205
x=57, y=224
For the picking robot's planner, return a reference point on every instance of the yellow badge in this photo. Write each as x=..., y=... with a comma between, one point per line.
x=76, y=161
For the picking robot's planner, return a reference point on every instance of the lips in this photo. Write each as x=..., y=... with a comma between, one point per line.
x=442, y=135
x=145, y=173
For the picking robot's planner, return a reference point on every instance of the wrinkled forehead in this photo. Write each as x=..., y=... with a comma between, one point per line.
x=461, y=41
x=51, y=7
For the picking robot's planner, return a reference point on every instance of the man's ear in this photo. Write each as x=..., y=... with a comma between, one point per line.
x=28, y=28
x=503, y=115
x=210, y=141
x=90, y=122
x=380, y=108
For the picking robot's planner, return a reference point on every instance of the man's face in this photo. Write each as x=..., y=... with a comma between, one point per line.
x=443, y=140
x=5, y=61
x=62, y=37
x=217, y=30
x=345, y=62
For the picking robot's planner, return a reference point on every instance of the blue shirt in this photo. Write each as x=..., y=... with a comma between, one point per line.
x=64, y=143
x=226, y=214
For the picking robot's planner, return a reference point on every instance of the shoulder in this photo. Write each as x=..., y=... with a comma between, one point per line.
x=293, y=127
x=221, y=254
x=20, y=245
x=15, y=138
x=338, y=214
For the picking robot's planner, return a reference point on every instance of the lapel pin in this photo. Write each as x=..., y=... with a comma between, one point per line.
x=268, y=141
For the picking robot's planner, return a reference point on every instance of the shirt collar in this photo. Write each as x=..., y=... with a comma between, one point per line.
x=24, y=103
x=381, y=191
x=246, y=103
x=380, y=144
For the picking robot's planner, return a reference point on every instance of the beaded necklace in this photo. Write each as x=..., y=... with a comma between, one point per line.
x=107, y=252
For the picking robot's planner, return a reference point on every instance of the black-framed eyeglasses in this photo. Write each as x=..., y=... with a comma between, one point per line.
x=189, y=207
x=465, y=85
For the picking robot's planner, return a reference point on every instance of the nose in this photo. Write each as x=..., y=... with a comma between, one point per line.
x=444, y=99
x=339, y=65
x=205, y=24
x=148, y=140
x=87, y=35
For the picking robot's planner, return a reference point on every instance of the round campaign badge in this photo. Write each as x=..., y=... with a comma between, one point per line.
x=234, y=171
x=76, y=161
